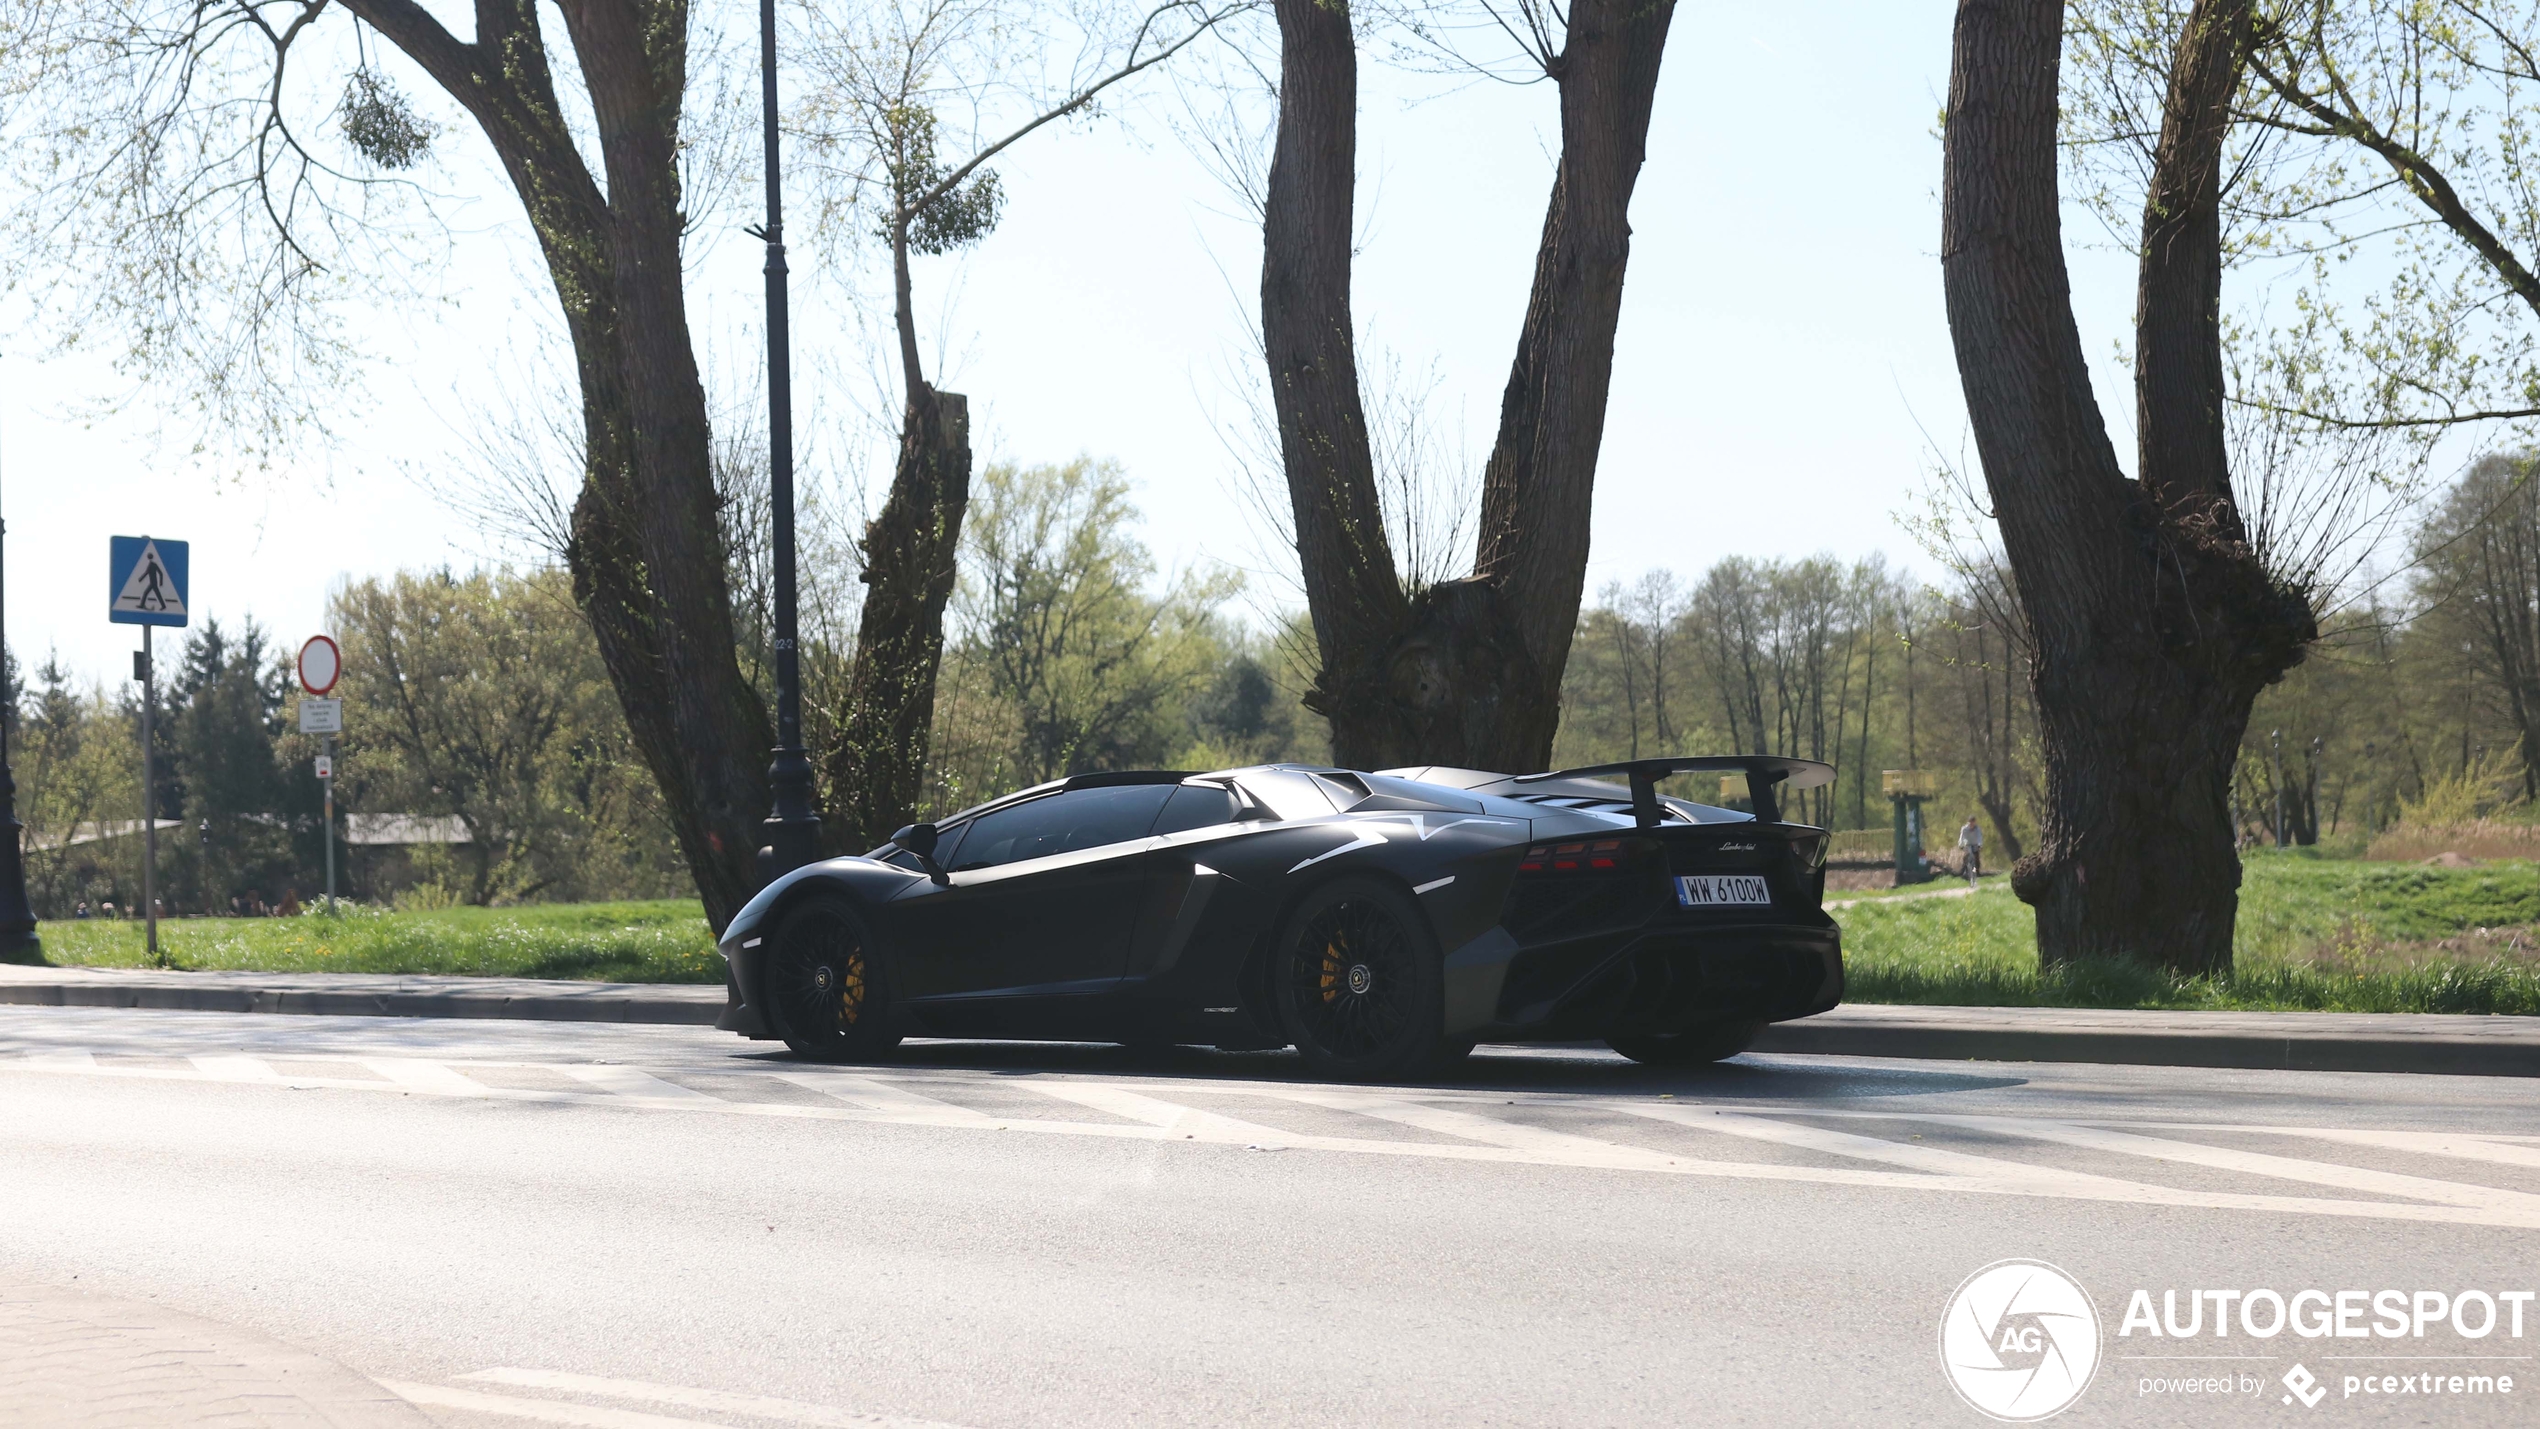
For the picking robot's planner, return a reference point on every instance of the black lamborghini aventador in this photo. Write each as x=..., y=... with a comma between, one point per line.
x=1380, y=923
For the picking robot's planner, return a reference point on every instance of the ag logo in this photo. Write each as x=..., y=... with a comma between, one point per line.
x=2019, y=1341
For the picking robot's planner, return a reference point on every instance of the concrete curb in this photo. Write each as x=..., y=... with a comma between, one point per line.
x=2280, y=1041
x=359, y=995
x=2272, y=1041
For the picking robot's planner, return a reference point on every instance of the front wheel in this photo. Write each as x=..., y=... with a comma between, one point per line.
x=825, y=993
x=1711, y=1042
x=1359, y=985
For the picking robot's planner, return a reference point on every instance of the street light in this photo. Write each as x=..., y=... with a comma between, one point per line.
x=17, y=917
x=793, y=830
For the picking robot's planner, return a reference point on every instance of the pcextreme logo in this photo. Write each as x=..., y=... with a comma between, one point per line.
x=2019, y=1341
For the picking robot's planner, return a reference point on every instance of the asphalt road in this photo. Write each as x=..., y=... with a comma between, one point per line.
x=631, y=1228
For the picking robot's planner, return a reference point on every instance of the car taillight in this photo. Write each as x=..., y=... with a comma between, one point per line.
x=1584, y=856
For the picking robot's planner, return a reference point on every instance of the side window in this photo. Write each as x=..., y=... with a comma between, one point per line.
x=1061, y=823
x=1196, y=806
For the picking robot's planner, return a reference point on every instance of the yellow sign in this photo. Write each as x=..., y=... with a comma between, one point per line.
x=1921, y=783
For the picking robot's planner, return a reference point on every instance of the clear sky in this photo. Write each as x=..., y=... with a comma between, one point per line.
x=1782, y=360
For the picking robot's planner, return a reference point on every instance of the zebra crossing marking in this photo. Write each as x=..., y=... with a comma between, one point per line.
x=1478, y=1136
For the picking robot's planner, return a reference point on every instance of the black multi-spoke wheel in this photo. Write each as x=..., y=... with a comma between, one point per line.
x=825, y=992
x=1709, y=1042
x=1358, y=984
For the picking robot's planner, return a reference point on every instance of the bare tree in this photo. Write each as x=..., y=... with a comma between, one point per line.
x=203, y=179
x=885, y=76
x=2480, y=563
x=2153, y=622
x=1463, y=671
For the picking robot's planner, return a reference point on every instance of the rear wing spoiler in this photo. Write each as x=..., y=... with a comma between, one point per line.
x=1762, y=772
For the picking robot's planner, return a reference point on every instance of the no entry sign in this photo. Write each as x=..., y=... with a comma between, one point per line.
x=321, y=664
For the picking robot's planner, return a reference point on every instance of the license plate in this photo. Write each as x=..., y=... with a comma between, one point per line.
x=1723, y=890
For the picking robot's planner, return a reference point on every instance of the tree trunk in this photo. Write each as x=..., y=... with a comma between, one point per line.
x=1352, y=595
x=2154, y=625
x=1467, y=671
x=910, y=551
x=647, y=555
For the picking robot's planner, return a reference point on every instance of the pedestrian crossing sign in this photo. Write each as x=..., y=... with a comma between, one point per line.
x=147, y=581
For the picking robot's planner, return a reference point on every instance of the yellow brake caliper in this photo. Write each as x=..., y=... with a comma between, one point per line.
x=851, y=988
x=1332, y=971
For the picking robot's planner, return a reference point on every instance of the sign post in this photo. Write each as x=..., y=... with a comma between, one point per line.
x=321, y=664
x=146, y=586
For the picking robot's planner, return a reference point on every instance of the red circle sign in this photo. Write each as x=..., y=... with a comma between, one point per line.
x=321, y=664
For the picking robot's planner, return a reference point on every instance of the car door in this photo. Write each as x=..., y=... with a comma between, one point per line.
x=1179, y=884
x=1041, y=900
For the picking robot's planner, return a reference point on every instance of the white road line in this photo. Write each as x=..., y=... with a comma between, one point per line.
x=1490, y=1131
x=71, y=1061
x=546, y=1411
x=2419, y=1143
x=234, y=1069
x=414, y=1075
x=2258, y=1163
x=1931, y=1159
x=892, y=1098
x=1176, y=1120
x=628, y=1082
x=1515, y=1144
x=713, y=1400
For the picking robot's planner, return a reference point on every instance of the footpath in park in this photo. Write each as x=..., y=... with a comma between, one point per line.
x=2291, y=1041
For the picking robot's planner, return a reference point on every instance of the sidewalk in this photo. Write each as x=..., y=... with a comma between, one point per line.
x=71, y=1358
x=2293, y=1041
x=363, y=995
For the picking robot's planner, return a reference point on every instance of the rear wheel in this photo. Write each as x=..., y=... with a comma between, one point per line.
x=1710, y=1042
x=1359, y=985
x=825, y=993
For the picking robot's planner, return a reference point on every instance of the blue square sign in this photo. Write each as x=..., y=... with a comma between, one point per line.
x=147, y=583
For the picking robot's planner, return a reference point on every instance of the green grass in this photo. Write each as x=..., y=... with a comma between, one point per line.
x=664, y=941
x=2314, y=935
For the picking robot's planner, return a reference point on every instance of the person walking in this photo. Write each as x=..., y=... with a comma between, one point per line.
x=1971, y=850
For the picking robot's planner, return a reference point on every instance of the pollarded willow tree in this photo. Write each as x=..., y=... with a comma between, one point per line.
x=2375, y=153
x=2153, y=621
x=1464, y=671
x=205, y=184
x=210, y=187
x=884, y=75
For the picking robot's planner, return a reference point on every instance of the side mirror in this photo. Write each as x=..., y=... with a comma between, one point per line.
x=919, y=839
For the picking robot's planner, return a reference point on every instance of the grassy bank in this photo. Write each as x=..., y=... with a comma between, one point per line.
x=2314, y=935
x=662, y=941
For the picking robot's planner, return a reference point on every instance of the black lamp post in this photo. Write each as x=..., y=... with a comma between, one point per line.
x=17, y=917
x=793, y=830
